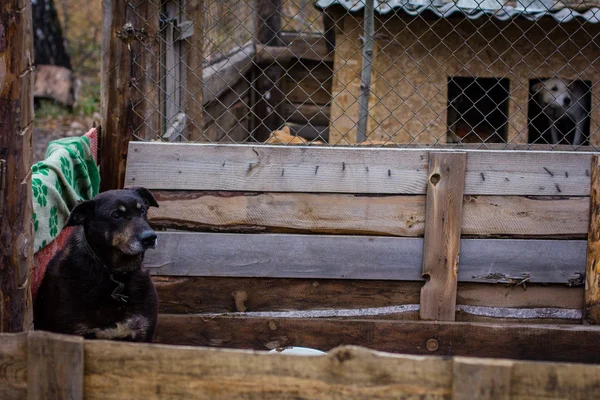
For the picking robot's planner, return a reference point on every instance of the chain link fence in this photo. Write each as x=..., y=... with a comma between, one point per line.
x=471, y=73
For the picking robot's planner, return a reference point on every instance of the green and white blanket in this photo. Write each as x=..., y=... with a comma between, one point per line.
x=67, y=175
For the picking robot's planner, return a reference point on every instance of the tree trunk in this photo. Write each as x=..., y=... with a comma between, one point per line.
x=48, y=42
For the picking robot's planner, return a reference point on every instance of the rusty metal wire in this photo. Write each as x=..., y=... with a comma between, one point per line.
x=470, y=73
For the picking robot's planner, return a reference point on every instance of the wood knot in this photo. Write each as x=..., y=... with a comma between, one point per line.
x=432, y=345
x=343, y=355
x=240, y=297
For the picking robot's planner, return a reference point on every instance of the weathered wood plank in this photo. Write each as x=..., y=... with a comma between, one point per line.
x=487, y=216
x=592, y=284
x=348, y=170
x=13, y=366
x=217, y=295
x=55, y=366
x=474, y=379
x=516, y=341
x=308, y=46
x=441, y=245
x=16, y=154
x=116, y=370
x=189, y=295
x=357, y=257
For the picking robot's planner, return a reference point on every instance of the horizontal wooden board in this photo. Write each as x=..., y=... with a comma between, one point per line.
x=116, y=370
x=178, y=166
x=305, y=114
x=189, y=295
x=516, y=341
x=13, y=366
x=361, y=257
x=488, y=216
x=307, y=46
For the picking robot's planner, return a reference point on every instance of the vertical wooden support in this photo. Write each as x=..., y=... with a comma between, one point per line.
x=592, y=279
x=367, y=67
x=192, y=52
x=476, y=379
x=16, y=154
x=443, y=219
x=54, y=366
x=124, y=31
x=267, y=93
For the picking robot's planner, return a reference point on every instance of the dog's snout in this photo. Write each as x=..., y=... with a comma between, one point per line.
x=567, y=101
x=148, y=238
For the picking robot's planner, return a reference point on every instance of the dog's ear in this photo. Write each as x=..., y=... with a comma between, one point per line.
x=146, y=195
x=81, y=212
x=537, y=87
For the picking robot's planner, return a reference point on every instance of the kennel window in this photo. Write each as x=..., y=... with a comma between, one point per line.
x=477, y=110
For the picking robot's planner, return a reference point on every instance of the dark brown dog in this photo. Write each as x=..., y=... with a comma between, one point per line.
x=95, y=287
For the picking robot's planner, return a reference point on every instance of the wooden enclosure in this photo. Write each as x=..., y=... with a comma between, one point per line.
x=39, y=365
x=270, y=246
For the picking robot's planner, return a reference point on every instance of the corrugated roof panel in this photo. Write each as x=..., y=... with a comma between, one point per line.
x=532, y=10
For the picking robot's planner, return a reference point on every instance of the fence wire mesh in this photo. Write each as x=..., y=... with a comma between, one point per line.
x=475, y=73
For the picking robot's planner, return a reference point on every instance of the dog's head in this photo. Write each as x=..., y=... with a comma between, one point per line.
x=554, y=93
x=116, y=221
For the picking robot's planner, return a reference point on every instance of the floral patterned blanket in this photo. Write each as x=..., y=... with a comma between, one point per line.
x=67, y=175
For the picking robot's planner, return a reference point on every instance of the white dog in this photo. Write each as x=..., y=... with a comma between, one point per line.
x=560, y=99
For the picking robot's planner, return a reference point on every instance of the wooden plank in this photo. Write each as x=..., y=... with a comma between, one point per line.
x=13, y=366
x=443, y=220
x=474, y=379
x=308, y=46
x=483, y=216
x=309, y=83
x=348, y=170
x=517, y=341
x=16, y=154
x=116, y=370
x=192, y=59
x=592, y=283
x=217, y=295
x=55, y=366
x=189, y=295
x=219, y=77
x=359, y=257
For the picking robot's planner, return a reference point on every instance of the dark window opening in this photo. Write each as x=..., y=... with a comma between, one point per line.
x=477, y=110
x=559, y=111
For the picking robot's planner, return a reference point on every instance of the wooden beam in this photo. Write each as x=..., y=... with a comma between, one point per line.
x=189, y=295
x=592, y=284
x=54, y=366
x=308, y=46
x=443, y=220
x=361, y=257
x=16, y=154
x=516, y=341
x=123, y=34
x=475, y=379
x=484, y=216
x=348, y=170
x=155, y=371
x=13, y=366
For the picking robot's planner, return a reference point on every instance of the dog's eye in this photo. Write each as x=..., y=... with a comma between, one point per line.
x=117, y=215
x=554, y=88
x=143, y=211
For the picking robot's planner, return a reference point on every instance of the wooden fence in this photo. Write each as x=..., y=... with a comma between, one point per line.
x=43, y=366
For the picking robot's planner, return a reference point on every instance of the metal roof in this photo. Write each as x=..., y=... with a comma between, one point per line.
x=472, y=9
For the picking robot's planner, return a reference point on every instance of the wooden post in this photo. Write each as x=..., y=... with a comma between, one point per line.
x=16, y=154
x=54, y=366
x=475, y=379
x=267, y=92
x=592, y=280
x=443, y=220
x=124, y=32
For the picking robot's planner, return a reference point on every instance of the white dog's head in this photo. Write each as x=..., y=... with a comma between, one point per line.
x=555, y=94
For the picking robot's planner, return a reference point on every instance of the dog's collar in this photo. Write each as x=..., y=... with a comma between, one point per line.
x=116, y=294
